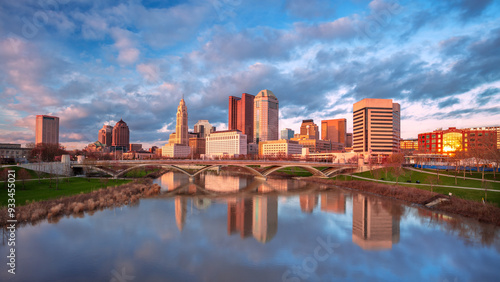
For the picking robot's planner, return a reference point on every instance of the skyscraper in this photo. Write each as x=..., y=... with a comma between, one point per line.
x=376, y=127
x=203, y=127
x=121, y=135
x=181, y=127
x=241, y=114
x=287, y=133
x=309, y=129
x=334, y=130
x=106, y=135
x=266, y=117
x=47, y=130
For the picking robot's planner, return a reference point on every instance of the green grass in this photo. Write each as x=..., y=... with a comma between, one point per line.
x=32, y=173
x=139, y=172
x=296, y=171
x=478, y=175
x=424, y=179
x=35, y=191
x=491, y=197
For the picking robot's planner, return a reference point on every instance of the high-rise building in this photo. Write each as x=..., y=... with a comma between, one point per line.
x=266, y=117
x=106, y=135
x=121, y=135
x=203, y=128
x=241, y=111
x=334, y=130
x=376, y=127
x=279, y=148
x=287, y=134
x=348, y=141
x=309, y=129
x=181, y=127
x=47, y=130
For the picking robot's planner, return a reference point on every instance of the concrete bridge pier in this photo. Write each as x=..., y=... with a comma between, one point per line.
x=191, y=179
x=261, y=177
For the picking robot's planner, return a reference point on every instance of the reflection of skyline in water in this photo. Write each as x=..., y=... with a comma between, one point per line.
x=373, y=226
x=144, y=241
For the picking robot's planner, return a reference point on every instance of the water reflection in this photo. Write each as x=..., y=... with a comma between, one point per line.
x=373, y=226
x=196, y=236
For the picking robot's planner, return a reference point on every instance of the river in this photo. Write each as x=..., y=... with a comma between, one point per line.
x=237, y=228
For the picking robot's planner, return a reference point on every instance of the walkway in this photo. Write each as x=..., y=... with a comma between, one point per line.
x=453, y=176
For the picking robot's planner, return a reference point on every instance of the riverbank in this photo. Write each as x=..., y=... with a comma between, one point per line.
x=485, y=213
x=54, y=209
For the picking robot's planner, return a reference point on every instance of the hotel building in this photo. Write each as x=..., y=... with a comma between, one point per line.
x=281, y=147
x=266, y=117
x=453, y=140
x=241, y=114
x=47, y=130
x=230, y=143
x=376, y=127
x=334, y=130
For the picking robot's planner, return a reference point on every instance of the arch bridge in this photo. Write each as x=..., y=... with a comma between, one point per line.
x=260, y=169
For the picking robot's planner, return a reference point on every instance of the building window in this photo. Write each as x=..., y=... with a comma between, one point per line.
x=433, y=135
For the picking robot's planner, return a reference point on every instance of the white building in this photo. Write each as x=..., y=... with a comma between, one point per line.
x=230, y=143
x=175, y=151
x=281, y=147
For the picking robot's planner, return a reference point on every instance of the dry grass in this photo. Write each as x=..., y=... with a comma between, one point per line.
x=75, y=205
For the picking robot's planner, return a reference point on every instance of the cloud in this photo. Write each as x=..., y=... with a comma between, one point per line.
x=126, y=45
x=448, y=102
x=310, y=9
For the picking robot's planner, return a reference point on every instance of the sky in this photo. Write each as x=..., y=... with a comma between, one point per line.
x=95, y=62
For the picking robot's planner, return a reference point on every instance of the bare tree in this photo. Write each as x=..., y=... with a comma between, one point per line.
x=433, y=180
x=23, y=175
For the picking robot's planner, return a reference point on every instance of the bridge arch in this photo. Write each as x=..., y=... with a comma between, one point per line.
x=310, y=169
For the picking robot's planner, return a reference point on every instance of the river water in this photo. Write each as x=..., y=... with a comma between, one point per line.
x=237, y=228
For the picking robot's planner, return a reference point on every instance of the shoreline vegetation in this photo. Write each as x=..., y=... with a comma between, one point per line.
x=76, y=205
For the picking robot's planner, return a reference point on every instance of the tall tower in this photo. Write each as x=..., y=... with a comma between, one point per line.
x=181, y=127
x=377, y=126
x=334, y=130
x=309, y=129
x=266, y=117
x=47, y=130
x=121, y=135
x=106, y=135
x=241, y=114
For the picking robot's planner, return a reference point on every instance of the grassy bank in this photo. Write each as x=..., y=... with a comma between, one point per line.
x=43, y=190
x=425, y=178
x=31, y=173
x=479, y=175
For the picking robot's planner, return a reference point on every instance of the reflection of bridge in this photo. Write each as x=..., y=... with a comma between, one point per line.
x=259, y=168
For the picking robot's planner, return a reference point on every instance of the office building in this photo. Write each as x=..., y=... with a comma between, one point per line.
x=241, y=114
x=231, y=143
x=408, y=145
x=203, y=128
x=334, y=130
x=105, y=135
x=47, y=130
x=181, y=126
x=14, y=151
x=287, y=134
x=135, y=147
x=309, y=129
x=198, y=146
x=452, y=140
x=492, y=128
x=348, y=142
x=121, y=136
x=175, y=151
x=266, y=117
x=279, y=148
x=376, y=127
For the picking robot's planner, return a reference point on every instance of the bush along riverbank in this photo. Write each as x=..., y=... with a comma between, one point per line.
x=485, y=213
x=54, y=209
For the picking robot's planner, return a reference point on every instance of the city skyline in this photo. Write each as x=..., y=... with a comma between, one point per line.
x=91, y=64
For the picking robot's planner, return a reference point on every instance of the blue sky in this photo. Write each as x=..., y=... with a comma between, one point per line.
x=94, y=63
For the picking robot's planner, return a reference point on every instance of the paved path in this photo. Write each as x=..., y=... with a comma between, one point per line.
x=455, y=187
x=453, y=176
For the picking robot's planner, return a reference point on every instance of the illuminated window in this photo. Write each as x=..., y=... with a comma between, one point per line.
x=452, y=142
